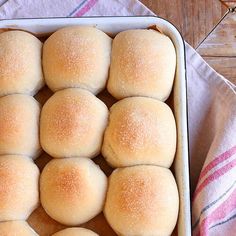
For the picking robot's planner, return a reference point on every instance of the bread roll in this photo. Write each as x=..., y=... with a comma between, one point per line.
x=72, y=190
x=72, y=124
x=143, y=64
x=19, y=194
x=20, y=63
x=142, y=200
x=75, y=232
x=16, y=228
x=77, y=56
x=140, y=131
x=19, y=125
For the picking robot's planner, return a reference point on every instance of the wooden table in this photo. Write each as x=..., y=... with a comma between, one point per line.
x=208, y=25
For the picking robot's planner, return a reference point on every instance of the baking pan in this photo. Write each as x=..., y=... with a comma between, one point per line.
x=113, y=25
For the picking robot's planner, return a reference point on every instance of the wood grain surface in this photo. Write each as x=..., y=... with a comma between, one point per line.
x=194, y=19
x=228, y=3
x=221, y=41
x=219, y=48
x=226, y=66
x=208, y=25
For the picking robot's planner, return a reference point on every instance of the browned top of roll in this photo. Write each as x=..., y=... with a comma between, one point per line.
x=142, y=64
x=142, y=200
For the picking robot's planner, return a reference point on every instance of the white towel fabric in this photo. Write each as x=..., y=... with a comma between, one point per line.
x=212, y=115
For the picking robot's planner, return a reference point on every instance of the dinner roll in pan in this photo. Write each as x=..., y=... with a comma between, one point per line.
x=77, y=56
x=19, y=194
x=72, y=124
x=20, y=63
x=72, y=190
x=19, y=125
x=142, y=200
x=16, y=228
x=140, y=131
x=142, y=64
x=75, y=232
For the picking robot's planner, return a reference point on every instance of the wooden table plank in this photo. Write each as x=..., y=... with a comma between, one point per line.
x=228, y=3
x=226, y=66
x=194, y=19
x=221, y=41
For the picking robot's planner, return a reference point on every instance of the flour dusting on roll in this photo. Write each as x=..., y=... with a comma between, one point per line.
x=72, y=124
x=20, y=63
x=77, y=56
x=142, y=200
x=72, y=190
x=143, y=64
x=19, y=125
x=140, y=131
x=19, y=194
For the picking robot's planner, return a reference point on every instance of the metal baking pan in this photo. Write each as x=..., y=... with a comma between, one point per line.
x=113, y=25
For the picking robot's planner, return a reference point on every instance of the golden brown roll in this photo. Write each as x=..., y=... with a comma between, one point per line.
x=140, y=131
x=19, y=194
x=72, y=190
x=142, y=200
x=16, y=228
x=72, y=124
x=20, y=63
x=142, y=64
x=19, y=125
x=75, y=232
x=77, y=56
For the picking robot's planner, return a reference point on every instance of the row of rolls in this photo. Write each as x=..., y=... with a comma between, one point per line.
x=137, y=136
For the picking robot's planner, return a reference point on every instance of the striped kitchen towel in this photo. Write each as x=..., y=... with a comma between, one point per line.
x=212, y=115
x=212, y=130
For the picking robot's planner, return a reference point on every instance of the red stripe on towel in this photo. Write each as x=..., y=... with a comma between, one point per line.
x=222, y=157
x=86, y=8
x=214, y=176
x=219, y=213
